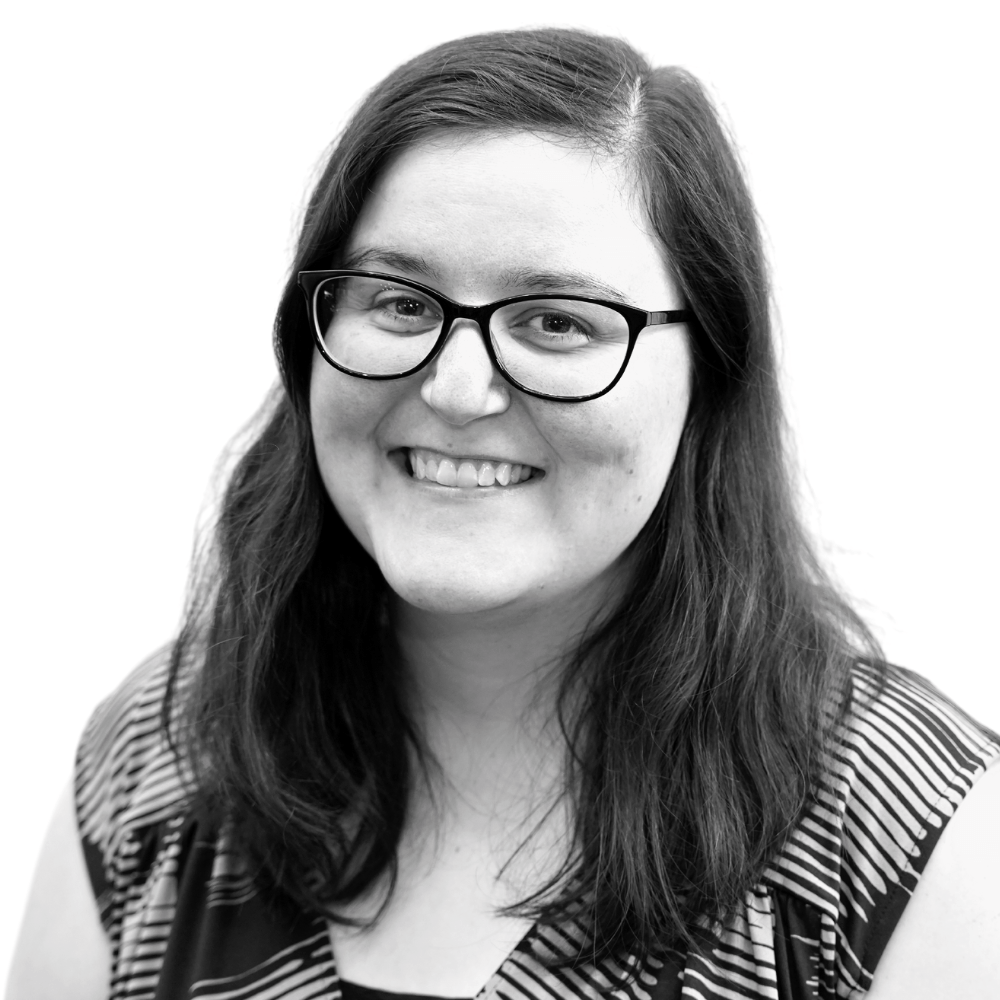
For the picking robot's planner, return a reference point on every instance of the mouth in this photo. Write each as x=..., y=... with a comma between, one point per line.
x=429, y=466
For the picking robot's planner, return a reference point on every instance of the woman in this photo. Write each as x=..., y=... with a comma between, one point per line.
x=510, y=672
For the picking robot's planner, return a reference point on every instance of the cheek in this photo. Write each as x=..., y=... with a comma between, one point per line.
x=344, y=415
x=619, y=454
x=627, y=467
x=613, y=472
x=333, y=413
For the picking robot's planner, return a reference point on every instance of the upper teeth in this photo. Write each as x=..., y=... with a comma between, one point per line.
x=466, y=472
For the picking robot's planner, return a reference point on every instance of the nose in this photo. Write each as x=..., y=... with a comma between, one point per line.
x=462, y=384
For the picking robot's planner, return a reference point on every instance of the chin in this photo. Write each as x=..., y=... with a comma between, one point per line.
x=451, y=593
x=463, y=579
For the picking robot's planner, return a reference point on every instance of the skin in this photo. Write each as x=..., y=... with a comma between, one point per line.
x=477, y=211
x=493, y=584
x=62, y=952
x=944, y=946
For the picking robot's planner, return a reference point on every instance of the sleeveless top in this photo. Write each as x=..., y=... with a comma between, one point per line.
x=185, y=920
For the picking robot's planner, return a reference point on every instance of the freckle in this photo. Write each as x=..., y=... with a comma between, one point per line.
x=631, y=472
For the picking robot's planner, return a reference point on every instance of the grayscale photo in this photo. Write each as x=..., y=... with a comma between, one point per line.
x=502, y=502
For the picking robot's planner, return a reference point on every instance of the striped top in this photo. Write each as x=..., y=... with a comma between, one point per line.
x=185, y=921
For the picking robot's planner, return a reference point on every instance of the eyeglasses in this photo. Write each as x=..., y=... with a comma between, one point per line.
x=565, y=347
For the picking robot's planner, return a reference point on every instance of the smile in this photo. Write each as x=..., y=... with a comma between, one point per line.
x=466, y=473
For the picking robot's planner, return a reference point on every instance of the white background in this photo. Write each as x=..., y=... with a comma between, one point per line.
x=156, y=160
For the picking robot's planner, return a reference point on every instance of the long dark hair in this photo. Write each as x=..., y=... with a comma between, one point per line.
x=701, y=704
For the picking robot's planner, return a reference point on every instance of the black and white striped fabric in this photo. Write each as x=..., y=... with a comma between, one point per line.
x=186, y=922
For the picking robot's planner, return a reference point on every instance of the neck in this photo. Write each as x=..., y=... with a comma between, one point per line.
x=482, y=689
x=491, y=667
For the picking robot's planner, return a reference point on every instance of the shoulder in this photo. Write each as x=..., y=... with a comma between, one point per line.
x=127, y=774
x=946, y=940
x=904, y=758
x=895, y=774
x=62, y=950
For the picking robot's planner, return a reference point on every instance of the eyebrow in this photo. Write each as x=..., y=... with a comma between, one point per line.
x=531, y=280
x=526, y=279
x=390, y=257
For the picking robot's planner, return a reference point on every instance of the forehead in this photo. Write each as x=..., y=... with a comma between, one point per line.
x=477, y=214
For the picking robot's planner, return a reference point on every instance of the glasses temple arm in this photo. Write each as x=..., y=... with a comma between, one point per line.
x=670, y=316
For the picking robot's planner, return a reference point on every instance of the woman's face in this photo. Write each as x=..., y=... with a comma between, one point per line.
x=483, y=218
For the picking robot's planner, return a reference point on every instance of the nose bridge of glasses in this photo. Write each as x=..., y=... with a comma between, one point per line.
x=464, y=380
x=472, y=322
x=457, y=316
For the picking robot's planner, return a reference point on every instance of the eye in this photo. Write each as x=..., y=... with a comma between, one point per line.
x=405, y=306
x=548, y=327
x=403, y=310
x=558, y=326
x=560, y=323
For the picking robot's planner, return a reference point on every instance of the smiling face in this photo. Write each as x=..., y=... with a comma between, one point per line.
x=479, y=219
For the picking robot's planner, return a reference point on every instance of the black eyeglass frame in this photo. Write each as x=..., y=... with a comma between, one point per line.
x=637, y=320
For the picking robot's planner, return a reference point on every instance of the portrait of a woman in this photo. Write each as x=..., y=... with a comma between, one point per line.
x=511, y=671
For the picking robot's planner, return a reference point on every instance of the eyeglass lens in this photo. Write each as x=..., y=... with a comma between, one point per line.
x=374, y=326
